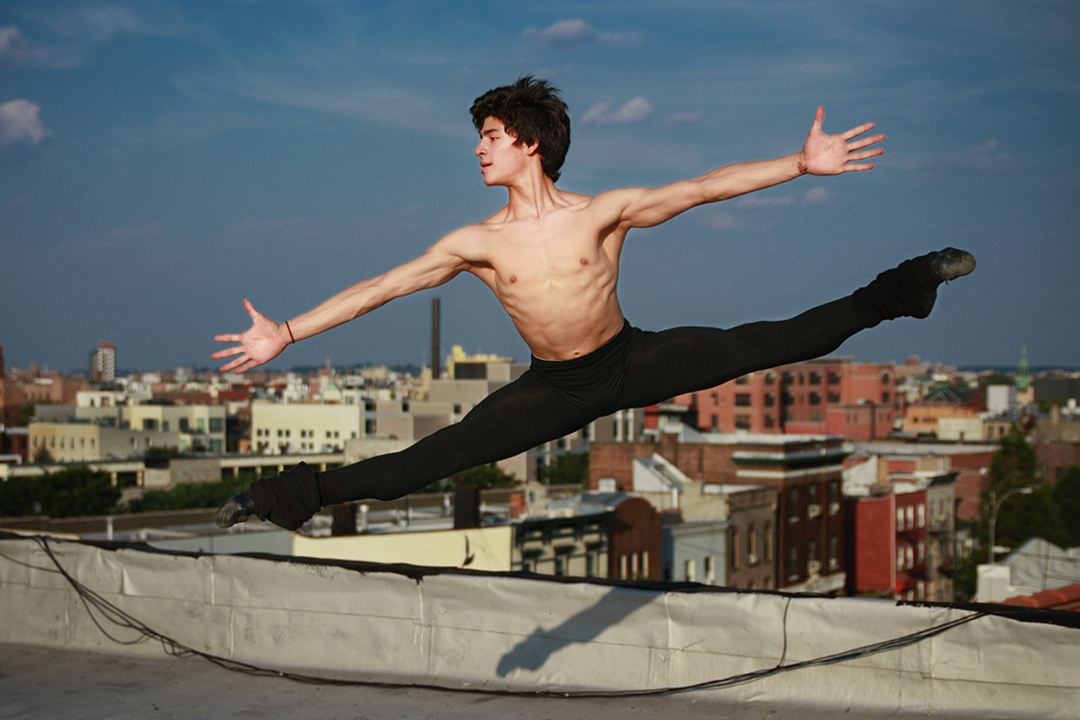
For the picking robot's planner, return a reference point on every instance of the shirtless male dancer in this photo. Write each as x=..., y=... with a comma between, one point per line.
x=552, y=259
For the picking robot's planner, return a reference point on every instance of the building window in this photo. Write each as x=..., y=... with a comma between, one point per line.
x=922, y=551
x=622, y=567
x=770, y=399
x=815, y=398
x=710, y=570
x=834, y=398
x=770, y=377
x=770, y=421
x=922, y=515
x=733, y=549
x=909, y=554
x=815, y=378
x=885, y=397
x=899, y=557
x=590, y=564
x=768, y=541
x=742, y=399
x=793, y=561
x=691, y=571
x=743, y=380
x=834, y=377
x=751, y=546
x=812, y=489
x=834, y=552
x=742, y=422
x=910, y=512
x=899, y=519
x=793, y=503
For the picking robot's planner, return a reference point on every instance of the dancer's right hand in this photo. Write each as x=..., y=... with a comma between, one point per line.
x=263, y=342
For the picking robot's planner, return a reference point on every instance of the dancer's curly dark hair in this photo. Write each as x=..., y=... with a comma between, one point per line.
x=531, y=110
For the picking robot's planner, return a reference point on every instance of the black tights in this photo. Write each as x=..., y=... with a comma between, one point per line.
x=634, y=369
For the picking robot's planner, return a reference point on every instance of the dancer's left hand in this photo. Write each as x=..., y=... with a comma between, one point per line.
x=824, y=154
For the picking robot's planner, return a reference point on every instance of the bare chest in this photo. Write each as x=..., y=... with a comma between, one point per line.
x=522, y=260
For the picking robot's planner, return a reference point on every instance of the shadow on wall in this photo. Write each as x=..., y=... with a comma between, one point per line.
x=532, y=652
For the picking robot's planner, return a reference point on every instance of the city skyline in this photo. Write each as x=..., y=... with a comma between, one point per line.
x=162, y=162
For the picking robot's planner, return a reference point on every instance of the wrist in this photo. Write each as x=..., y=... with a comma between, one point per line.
x=285, y=332
x=800, y=163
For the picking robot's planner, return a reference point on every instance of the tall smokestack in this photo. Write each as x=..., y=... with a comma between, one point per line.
x=435, y=366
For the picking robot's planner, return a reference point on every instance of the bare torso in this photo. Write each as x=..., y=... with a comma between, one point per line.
x=556, y=275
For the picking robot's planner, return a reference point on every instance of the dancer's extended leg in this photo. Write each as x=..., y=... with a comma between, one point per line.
x=511, y=420
x=686, y=359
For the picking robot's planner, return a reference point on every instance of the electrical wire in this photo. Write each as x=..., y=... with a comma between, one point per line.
x=93, y=600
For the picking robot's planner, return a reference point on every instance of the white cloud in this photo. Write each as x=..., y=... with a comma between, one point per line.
x=14, y=48
x=10, y=39
x=19, y=123
x=816, y=195
x=576, y=31
x=564, y=31
x=632, y=111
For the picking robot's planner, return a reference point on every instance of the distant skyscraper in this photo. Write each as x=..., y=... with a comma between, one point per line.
x=103, y=362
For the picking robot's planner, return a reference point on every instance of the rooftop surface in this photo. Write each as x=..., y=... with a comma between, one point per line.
x=493, y=642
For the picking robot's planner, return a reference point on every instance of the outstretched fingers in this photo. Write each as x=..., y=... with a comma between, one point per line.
x=868, y=154
x=858, y=130
x=227, y=352
x=235, y=363
x=863, y=142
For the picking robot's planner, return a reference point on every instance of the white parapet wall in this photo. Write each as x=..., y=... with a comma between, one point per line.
x=497, y=631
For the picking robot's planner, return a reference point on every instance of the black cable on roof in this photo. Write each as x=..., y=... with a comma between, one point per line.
x=112, y=613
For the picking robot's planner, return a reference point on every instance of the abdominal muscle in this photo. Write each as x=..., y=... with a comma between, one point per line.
x=560, y=294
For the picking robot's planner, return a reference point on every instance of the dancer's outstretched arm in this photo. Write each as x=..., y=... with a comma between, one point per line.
x=265, y=339
x=821, y=154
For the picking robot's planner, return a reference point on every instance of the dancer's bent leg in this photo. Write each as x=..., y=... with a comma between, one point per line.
x=686, y=359
x=511, y=420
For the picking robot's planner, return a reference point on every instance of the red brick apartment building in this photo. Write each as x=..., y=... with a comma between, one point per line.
x=827, y=396
x=889, y=558
x=806, y=472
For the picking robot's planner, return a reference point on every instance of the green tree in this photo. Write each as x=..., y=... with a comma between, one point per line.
x=191, y=496
x=1020, y=518
x=160, y=456
x=567, y=469
x=75, y=490
x=42, y=456
x=484, y=476
x=1067, y=499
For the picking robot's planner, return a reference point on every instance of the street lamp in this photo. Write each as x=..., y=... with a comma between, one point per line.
x=997, y=506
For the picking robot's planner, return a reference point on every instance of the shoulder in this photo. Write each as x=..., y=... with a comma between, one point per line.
x=466, y=243
x=611, y=204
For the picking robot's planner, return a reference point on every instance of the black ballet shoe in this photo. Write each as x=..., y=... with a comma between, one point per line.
x=910, y=288
x=236, y=509
x=951, y=263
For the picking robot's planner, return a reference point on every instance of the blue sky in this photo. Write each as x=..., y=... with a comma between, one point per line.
x=159, y=162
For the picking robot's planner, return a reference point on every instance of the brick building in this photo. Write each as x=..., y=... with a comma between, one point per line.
x=889, y=558
x=827, y=396
x=806, y=529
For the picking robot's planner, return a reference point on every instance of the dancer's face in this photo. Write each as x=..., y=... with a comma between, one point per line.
x=501, y=160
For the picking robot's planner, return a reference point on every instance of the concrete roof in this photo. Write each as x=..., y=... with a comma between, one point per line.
x=504, y=636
